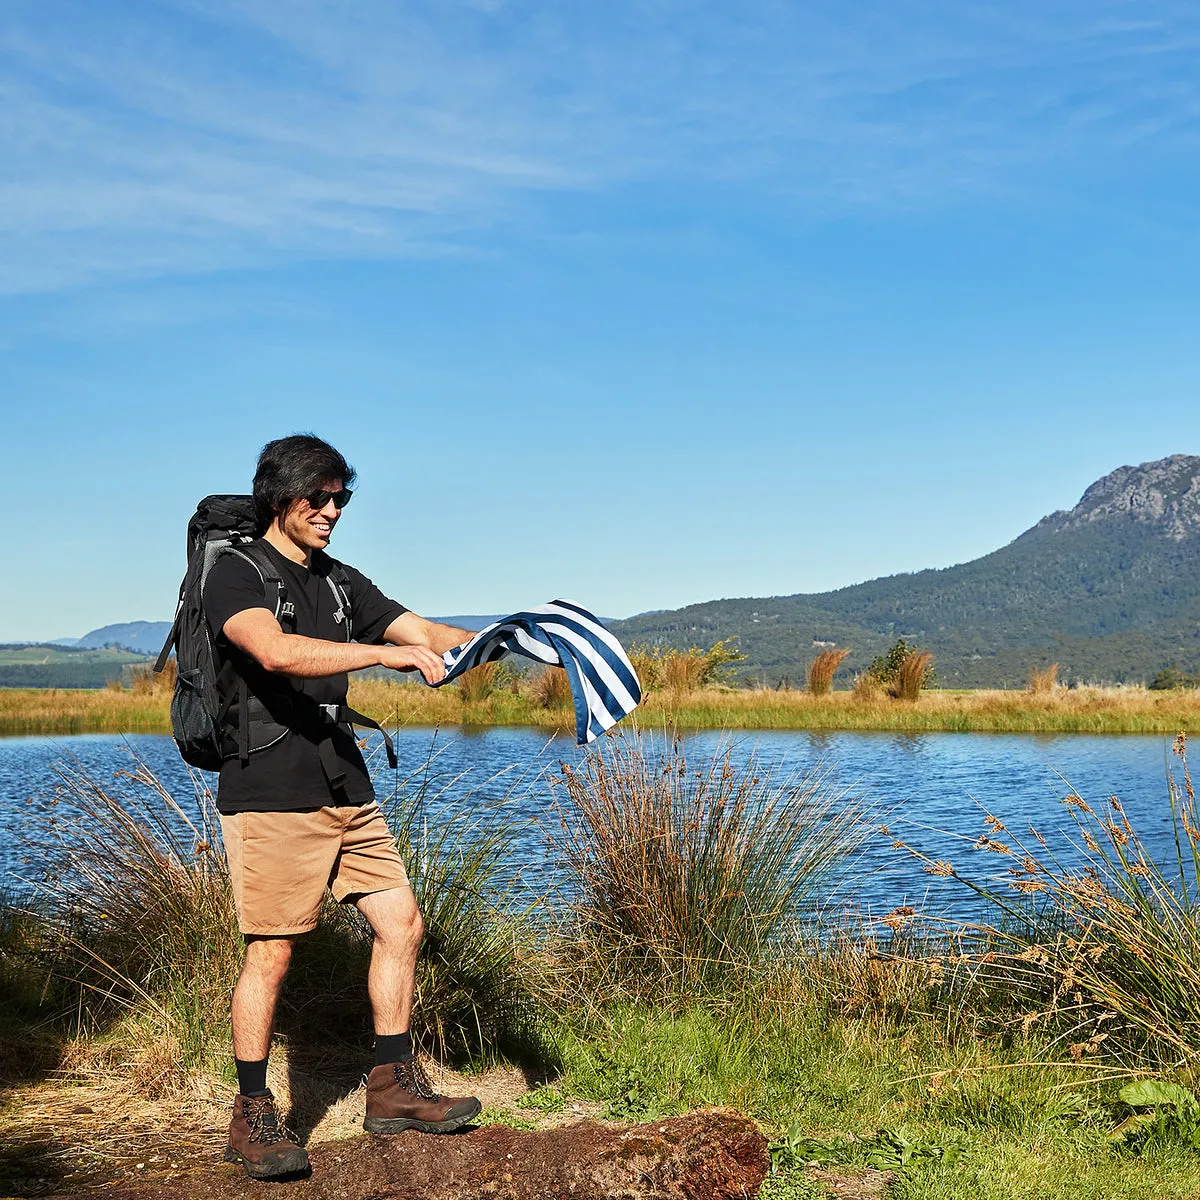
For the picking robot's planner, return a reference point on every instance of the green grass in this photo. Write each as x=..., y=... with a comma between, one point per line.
x=976, y=1121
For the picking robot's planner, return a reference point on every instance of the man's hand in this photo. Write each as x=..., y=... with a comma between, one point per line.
x=408, y=658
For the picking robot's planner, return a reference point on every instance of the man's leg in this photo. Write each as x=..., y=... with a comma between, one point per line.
x=257, y=1138
x=278, y=866
x=399, y=1095
x=398, y=926
x=256, y=995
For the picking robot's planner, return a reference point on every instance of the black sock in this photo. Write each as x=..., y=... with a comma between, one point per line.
x=393, y=1047
x=252, y=1077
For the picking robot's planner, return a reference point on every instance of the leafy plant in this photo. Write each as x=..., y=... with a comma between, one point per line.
x=889, y=1149
x=635, y=1095
x=885, y=667
x=544, y=1099
x=1173, y=1121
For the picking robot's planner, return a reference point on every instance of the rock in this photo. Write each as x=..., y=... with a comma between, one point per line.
x=713, y=1155
x=1165, y=494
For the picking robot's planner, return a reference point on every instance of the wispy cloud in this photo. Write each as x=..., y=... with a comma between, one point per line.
x=149, y=139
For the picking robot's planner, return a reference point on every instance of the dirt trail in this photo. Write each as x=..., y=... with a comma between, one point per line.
x=703, y=1156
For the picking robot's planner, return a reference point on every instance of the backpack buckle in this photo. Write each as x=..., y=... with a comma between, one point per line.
x=288, y=609
x=339, y=616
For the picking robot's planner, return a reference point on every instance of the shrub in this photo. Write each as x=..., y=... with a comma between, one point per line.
x=885, y=667
x=683, y=671
x=822, y=670
x=686, y=873
x=1172, y=677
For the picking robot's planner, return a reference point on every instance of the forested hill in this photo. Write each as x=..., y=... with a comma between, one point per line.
x=1109, y=589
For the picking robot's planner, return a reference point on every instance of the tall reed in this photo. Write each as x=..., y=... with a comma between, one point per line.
x=142, y=916
x=685, y=873
x=550, y=688
x=478, y=683
x=140, y=931
x=822, y=670
x=1099, y=932
x=912, y=675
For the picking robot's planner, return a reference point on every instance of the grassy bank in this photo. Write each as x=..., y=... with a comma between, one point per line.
x=686, y=969
x=1062, y=710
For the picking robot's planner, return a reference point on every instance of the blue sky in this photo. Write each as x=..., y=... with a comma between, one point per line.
x=640, y=303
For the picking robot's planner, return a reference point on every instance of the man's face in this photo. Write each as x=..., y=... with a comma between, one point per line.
x=311, y=527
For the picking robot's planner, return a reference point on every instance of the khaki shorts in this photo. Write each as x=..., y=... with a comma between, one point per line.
x=280, y=863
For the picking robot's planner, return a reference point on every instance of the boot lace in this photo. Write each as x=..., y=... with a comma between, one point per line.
x=263, y=1118
x=411, y=1076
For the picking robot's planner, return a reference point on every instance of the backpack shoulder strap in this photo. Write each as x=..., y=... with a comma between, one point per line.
x=274, y=589
x=338, y=579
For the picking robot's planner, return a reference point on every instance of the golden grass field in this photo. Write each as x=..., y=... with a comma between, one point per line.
x=1060, y=710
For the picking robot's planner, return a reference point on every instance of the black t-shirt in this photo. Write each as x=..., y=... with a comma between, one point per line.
x=289, y=774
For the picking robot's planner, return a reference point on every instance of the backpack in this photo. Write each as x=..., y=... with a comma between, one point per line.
x=204, y=723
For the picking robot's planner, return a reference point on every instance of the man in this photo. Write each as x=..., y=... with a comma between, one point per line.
x=297, y=807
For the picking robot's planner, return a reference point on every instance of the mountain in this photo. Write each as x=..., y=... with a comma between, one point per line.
x=1109, y=589
x=146, y=637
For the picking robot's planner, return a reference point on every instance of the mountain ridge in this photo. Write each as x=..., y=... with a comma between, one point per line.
x=1109, y=588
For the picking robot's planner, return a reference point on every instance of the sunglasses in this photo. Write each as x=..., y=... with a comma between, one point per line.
x=320, y=498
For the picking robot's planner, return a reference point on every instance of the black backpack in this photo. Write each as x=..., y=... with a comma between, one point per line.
x=213, y=714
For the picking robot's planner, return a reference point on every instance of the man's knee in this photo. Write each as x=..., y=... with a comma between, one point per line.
x=405, y=927
x=267, y=958
x=394, y=916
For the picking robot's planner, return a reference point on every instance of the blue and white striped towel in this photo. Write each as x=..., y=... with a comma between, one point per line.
x=604, y=685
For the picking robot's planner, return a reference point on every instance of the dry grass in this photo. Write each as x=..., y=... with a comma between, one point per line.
x=1043, y=681
x=1130, y=709
x=822, y=670
x=681, y=673
x=868, y=689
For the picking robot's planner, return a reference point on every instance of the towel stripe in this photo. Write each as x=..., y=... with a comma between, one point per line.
x=604, y=685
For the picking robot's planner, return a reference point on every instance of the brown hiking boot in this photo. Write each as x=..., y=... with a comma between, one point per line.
x=261, y=1142
x=400, y=1097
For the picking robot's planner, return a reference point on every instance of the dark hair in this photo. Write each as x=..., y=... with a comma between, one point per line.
x=292, y=467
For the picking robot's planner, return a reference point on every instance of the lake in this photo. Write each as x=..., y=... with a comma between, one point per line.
x=932, y=790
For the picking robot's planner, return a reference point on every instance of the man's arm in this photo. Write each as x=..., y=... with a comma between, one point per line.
x=410, y=630
x=256, y=632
